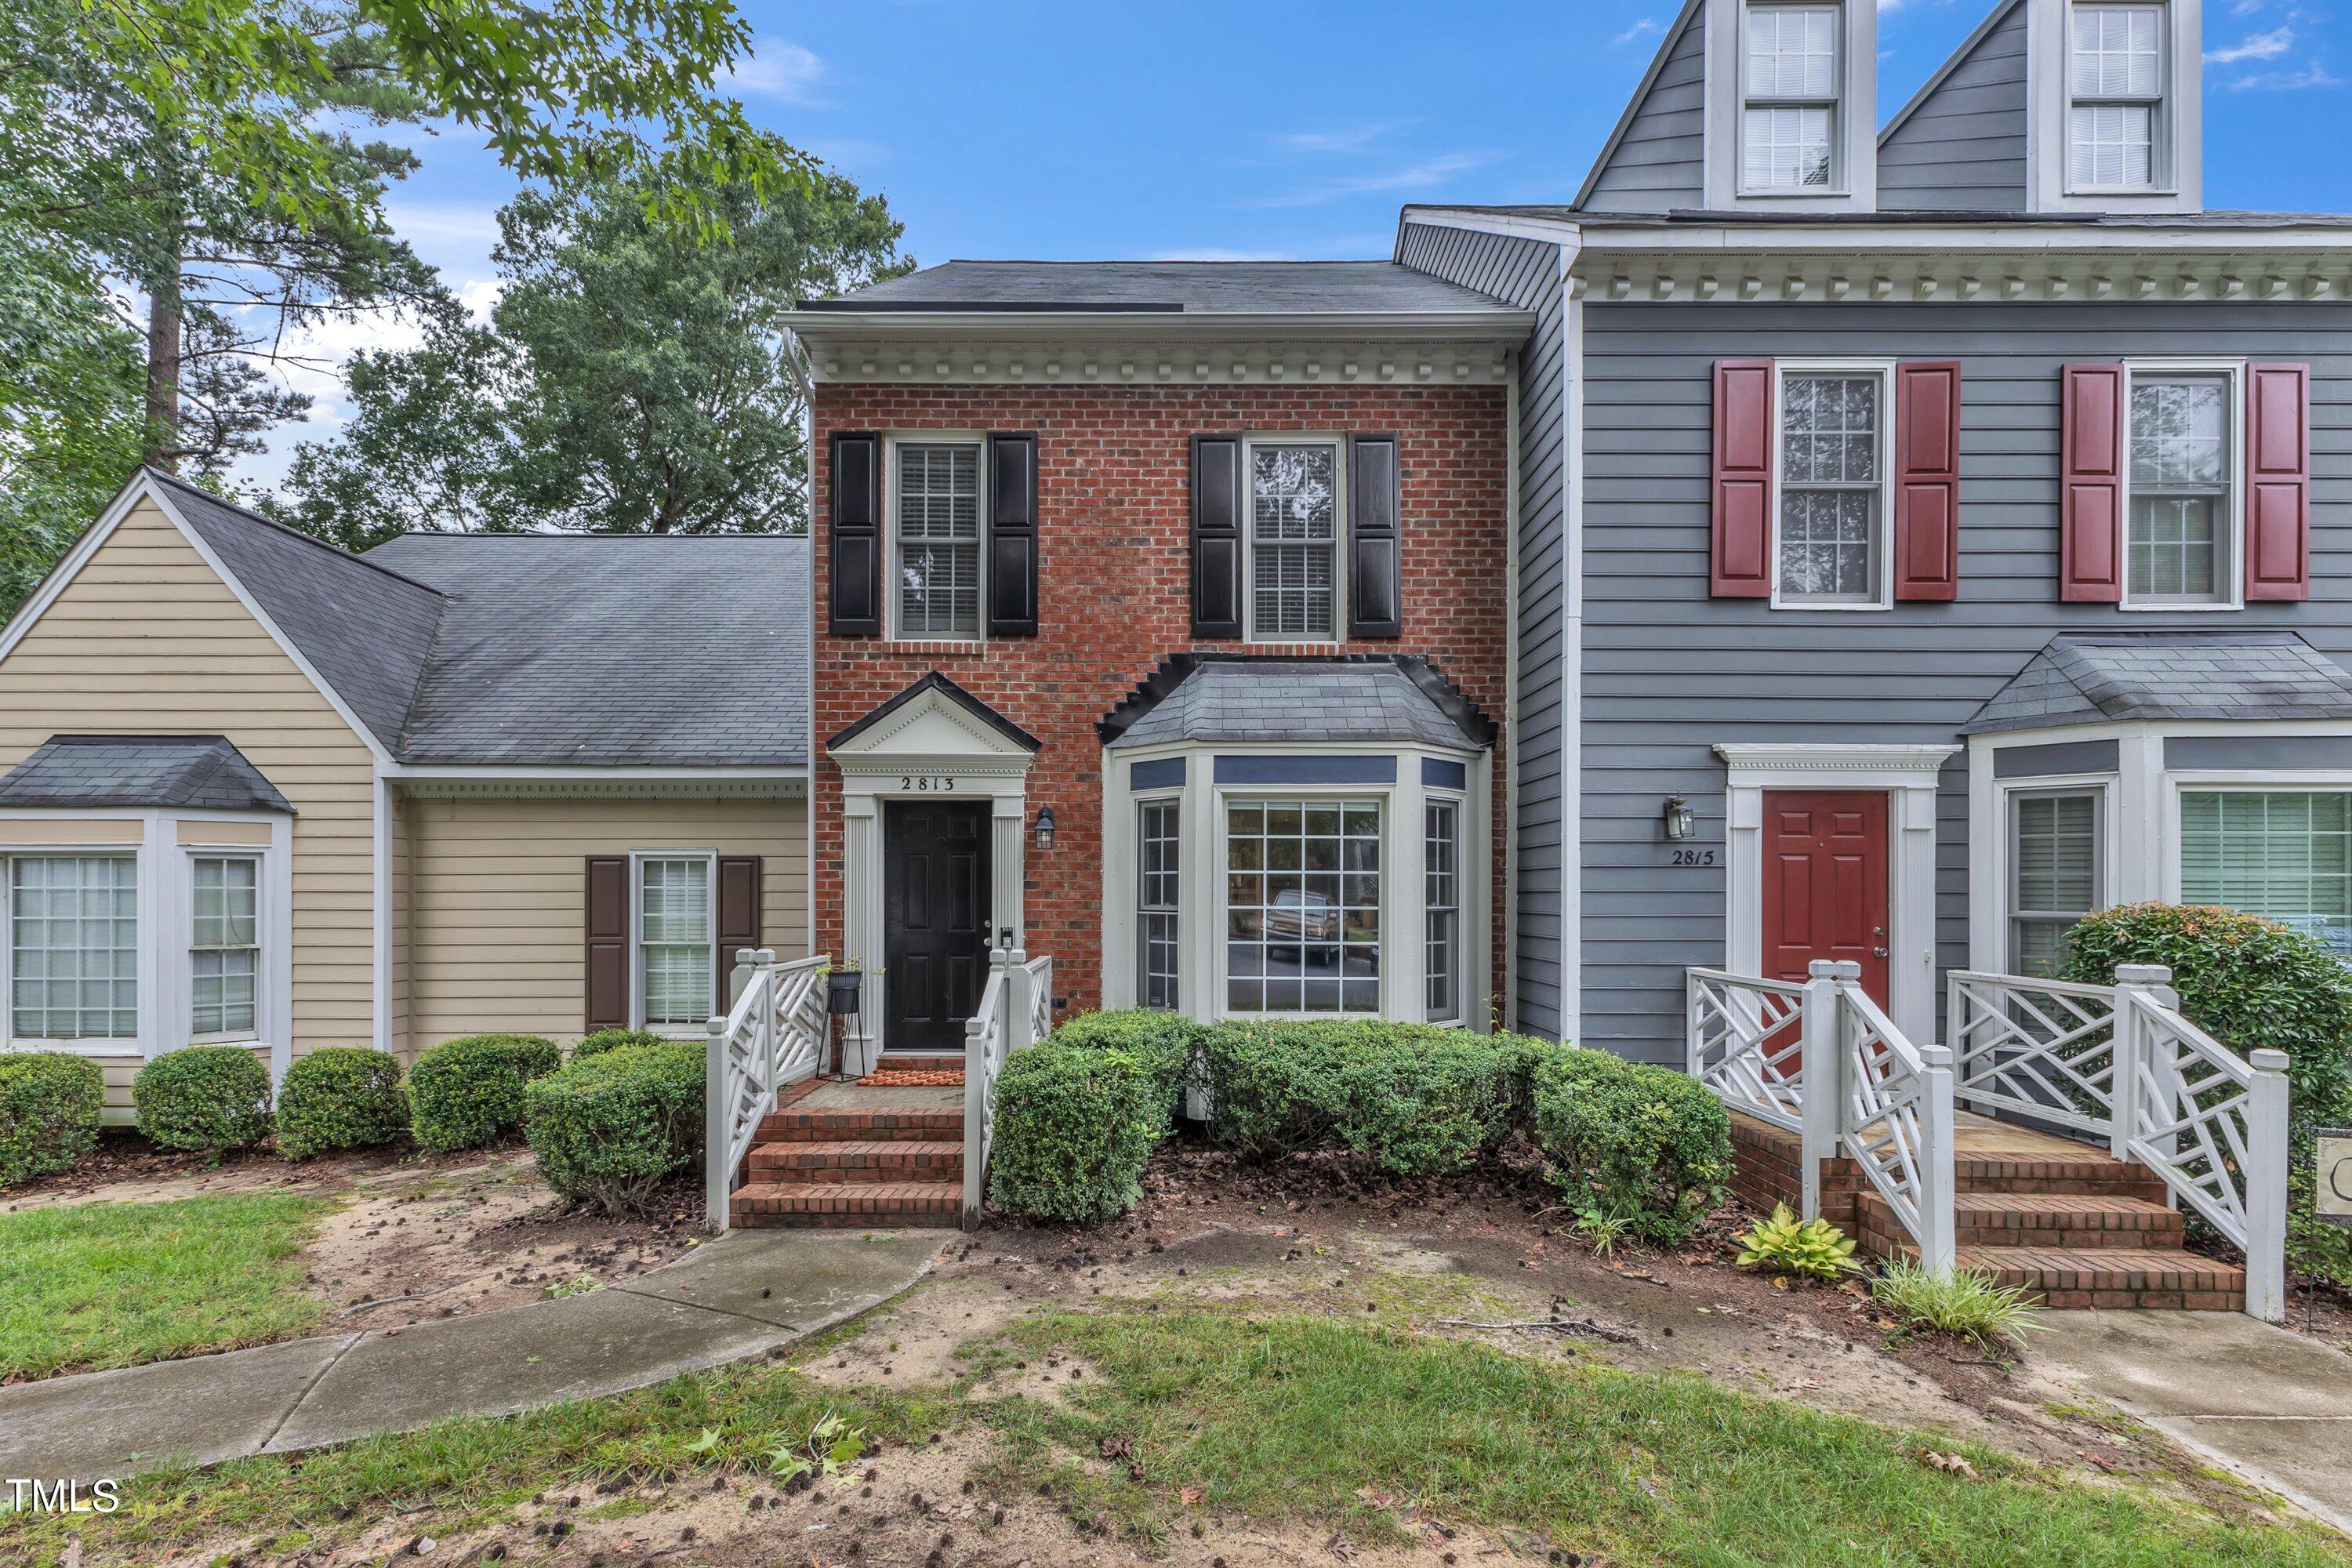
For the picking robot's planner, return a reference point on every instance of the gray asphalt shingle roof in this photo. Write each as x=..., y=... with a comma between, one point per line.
x=597, y=651
x=1374, y=701
x=2119, y=676
x=203, y=771
x=1191, y=288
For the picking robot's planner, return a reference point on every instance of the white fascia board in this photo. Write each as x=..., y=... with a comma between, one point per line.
x=1525, y=226
x=1879, y=239
x=1155, y=326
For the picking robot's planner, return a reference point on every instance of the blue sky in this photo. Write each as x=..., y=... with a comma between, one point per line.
x=1207, y=128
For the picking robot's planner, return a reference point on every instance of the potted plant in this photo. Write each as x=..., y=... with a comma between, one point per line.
x=843, y=986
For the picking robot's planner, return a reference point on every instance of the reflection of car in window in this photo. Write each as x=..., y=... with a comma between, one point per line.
x=1298, y=916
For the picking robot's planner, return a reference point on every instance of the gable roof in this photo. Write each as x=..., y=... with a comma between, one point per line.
x=364, y=628
x=1952, y=62
x=2119, y=677
x=1244, y=698
x=203, y=771
x=602, y=650
x=935, y=681
x=1171, y=288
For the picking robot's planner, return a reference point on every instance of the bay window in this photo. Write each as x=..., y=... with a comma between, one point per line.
x=2285, y=855
x=1303, y=906
x=73, y=947
x=224, y=947
x=1441, y=873
x=677, y=957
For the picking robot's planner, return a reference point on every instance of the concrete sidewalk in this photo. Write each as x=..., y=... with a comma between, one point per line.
x=737, y=1297
x=2264, y=1403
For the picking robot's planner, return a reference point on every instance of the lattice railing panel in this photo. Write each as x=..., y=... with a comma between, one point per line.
x=2194, y=1118
x=1889, y=1114
x=1747, y=1038
x=2044, y=1048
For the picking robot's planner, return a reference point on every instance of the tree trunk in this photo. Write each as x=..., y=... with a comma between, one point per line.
x=164, y=345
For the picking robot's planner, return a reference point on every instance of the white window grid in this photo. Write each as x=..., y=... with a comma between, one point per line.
x=224, y=947
x=1303, y=915
x=2284, y=853
x=1295, y=501
x=1789, y=113
x=938, y=557
x=2183, y=476
x=2056, y=869
x=1158, y=836
x=2114, y=80
x=1441, y=907
x=73, y=947
x=1832, y=486
x=674, y=903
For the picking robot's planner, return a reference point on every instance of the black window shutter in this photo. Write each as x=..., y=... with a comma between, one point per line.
x=606, y=920
x=1012, y=536
x=1216, y=536
x=739, y=916
x=856, y=569
x=1374, y=606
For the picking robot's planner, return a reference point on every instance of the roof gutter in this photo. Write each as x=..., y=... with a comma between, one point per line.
x=1498, y=326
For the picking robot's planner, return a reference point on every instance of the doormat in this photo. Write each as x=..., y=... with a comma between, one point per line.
x=913, y=1077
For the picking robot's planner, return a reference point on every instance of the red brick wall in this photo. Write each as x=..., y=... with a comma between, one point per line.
x=1114, y=593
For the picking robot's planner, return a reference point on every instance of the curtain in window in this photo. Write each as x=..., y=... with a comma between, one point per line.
x=675, y=957
x=224, y=947
x=74, y=947
x=2286, y=856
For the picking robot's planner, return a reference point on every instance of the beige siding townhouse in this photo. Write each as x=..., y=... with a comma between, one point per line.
x=255, y=789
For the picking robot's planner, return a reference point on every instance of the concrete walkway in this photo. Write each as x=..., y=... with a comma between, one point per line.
x=2264, y=1403
x=733, y=1298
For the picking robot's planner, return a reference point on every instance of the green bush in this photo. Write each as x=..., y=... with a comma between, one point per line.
x=609, y=1129
x=468, y=1092
x=341, y=1097
x=204, y=1098
x=50, y=1104
x=1428, y=1101
x=1627, y=1138
x=604, y=1040
x=1273, y=1086
x=2251, y=983
x=1162, y=1045
x=1076, y=1120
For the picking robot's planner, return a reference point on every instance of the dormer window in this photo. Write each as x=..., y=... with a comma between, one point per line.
x=2114, y=95
x=1789, y=105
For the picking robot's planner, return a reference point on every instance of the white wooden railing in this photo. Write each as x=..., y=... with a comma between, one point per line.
x=1896, y=1119
x=2045, y=1048
x=1746, y=1042
x=1016, y=1010
x=771, y=1037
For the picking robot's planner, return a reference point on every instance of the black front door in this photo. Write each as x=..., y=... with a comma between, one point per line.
x=934, y=920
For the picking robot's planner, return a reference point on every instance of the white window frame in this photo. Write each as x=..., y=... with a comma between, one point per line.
x=193, y=853
x=2101, y=787
x=2233, y=518
x=2177, y=163
x=2207, y=781
x=1171, y=798
x=1340, y=541
x=637, y=861
x=143, y=938
x=1384, y=798
x=1839, y=181
x=1462, y=883
x=894, y=595
x=1853, y=157
x=1882, y=597
x=2160, y=139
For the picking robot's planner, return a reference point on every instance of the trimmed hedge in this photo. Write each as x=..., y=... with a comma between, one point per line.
x=49, y=1105
x=1429, y=1101
x=1273, y=1086
x=1644, y=1142
x=2251, y=983
x=609, y=1129
x=1161, y=1044
x=604, y=1040
x=204, y=1097
x=1074, y=1124
x=341, y=1097
x=468, y=1092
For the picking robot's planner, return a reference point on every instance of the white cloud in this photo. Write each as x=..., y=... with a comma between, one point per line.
x=778, y=68
x=2267, y=46
x=1645, y=25
x=2312, y=75
x=1353, y=139
x=1410, y=177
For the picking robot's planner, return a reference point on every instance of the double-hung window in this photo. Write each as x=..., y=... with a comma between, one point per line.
x=1833, y=488
x=2285, y=855
x=224, y=947
x=936, y=498
x=1158, y=935
x=677, y=957
x=1789, y=113
x=1441, y=874
x=2181, y=523
x=1294, y=541
x=73, y=947
x=2114, y=95
x=2054, y=864
x=1303, y=906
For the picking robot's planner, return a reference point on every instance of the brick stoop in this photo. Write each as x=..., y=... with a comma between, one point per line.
x=866, y=1164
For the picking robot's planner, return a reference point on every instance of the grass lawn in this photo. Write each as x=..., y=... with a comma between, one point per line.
x=1282, y=1418
x=106, y=1285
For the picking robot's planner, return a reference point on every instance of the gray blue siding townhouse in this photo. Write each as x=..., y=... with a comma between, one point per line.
x=1926, y=534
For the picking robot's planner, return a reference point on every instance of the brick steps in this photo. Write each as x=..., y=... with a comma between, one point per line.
x=2089, y=1174
x=871, y=1164
x=795, y=1203
x=887, y=1159
x=859, y=1126
x=2076, y=1221
x=2112, y=1277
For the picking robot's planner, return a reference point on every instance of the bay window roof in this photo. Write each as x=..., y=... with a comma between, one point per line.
x=202, y=773
x=1348, y=699
x=2116, y=677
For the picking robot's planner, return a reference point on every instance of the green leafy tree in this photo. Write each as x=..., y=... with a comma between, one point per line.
x=632, y=378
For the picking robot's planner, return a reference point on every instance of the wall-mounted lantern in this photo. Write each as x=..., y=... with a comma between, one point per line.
x=1044, y=827
x=1680, y=819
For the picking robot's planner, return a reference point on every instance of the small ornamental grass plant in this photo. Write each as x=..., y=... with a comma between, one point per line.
x=1967, y=1302
x=1801, y=1248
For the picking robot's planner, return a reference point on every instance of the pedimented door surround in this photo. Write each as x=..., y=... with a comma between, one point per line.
x=933, y=740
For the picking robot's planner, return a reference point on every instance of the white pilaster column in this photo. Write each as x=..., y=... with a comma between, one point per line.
x=861, y=917
x=1006, y=867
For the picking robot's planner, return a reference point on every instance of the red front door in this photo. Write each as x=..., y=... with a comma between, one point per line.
x=1826, y=883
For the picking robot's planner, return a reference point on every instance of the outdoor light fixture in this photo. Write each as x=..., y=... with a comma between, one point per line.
x=1679, y=820
x=1044, y=827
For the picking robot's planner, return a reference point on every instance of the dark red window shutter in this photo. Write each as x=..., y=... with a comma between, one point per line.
x=739, y=915
x=1216, y=536
x=1012, y=536
x=608, y=942
x=2091, y=478
x=1375, y=607
x=854, y=568
x=1928, y=479
x=1741, y=565
x=2278, y=482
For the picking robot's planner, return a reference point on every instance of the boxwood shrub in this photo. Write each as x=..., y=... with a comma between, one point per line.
x=204, y=1097
x=1427, y=1101
x=468, y=1092
x=341, y=1097
x=2251, y=983
x=49, y=1105
x=1076, y=1120
x=1644, y=1142
x=1163, y=1044
x=1274, y=1085
x=610, y=1129
x=604, y=1040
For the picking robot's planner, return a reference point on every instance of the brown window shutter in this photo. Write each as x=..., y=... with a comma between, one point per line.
x=1740, y=560
x=1375, y=591
x=854, y=568
x=1928, y=480
x=608, y=942
x=2278, y=482
x=1216, y=536
x=2091, y=480
x=739, y=915
x=1012, y=536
